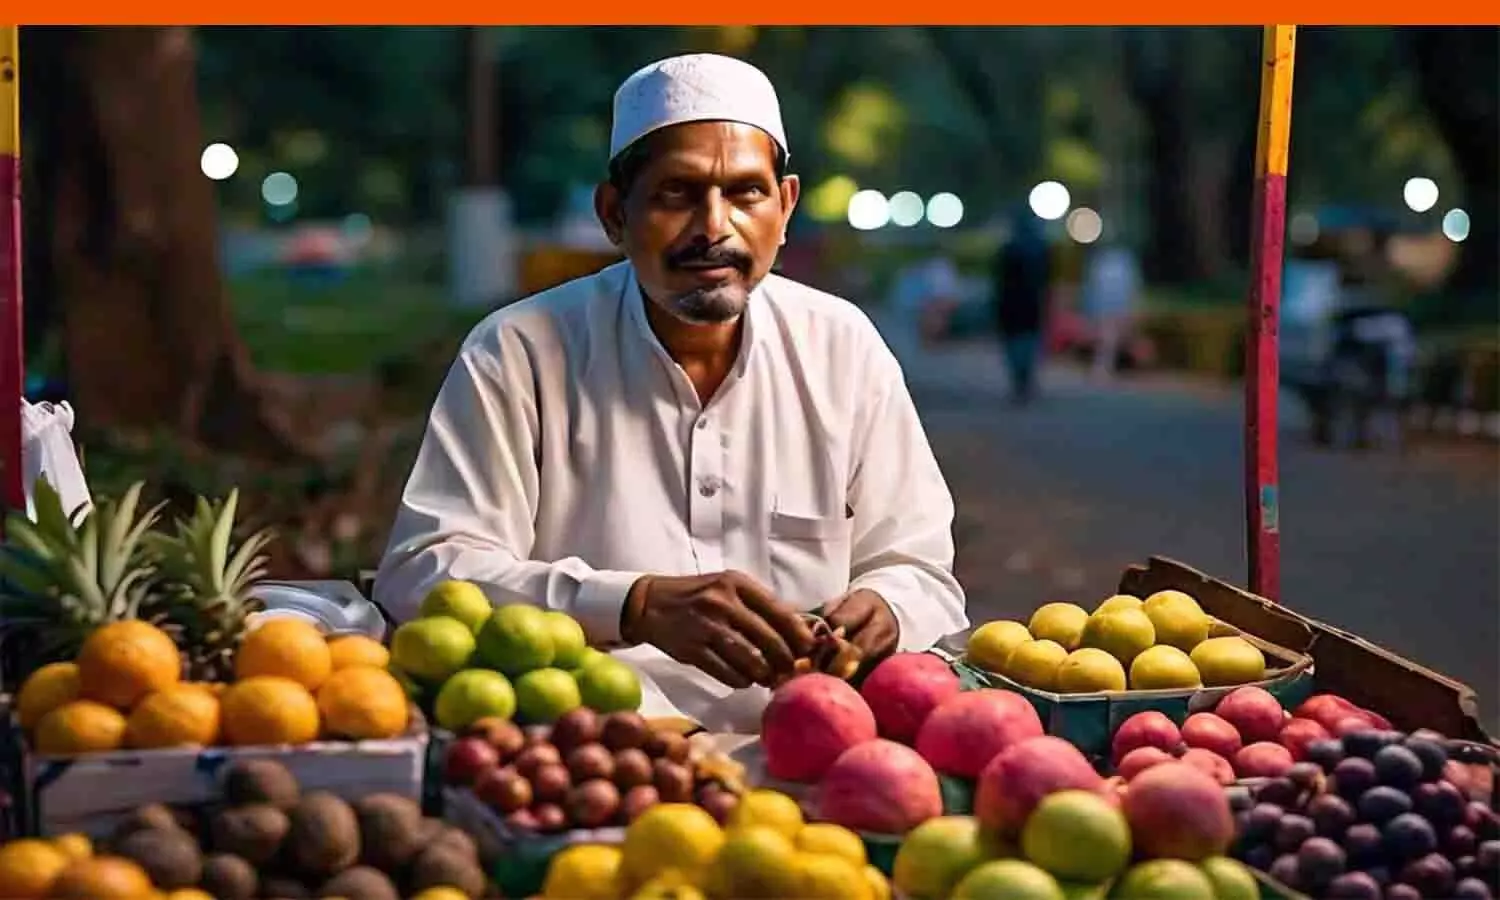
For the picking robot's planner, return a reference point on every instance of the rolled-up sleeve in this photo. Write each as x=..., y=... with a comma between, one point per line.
x=469, y=505
x=903, y=515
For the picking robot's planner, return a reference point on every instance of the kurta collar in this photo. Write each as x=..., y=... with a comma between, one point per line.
x=634, y=300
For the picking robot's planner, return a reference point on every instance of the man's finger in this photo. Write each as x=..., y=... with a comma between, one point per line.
x=758, y=633
x=853, y=612
x=739, y=654
x=784, y=619
x=712, y=665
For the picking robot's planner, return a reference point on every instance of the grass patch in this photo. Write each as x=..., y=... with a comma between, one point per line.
x=349, y=326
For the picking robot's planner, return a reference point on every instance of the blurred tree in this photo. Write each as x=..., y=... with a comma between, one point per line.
x=1456, y=69
x=130, y=254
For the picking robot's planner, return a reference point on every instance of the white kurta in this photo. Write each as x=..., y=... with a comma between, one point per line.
x=567, y=454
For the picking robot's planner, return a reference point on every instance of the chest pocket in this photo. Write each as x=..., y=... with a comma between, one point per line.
x=809, y=557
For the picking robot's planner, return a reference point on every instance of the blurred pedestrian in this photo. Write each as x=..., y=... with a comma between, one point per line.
x=1021, y=280
x=1111, y=293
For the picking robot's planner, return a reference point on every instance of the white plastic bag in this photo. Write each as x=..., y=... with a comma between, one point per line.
x=47, y=449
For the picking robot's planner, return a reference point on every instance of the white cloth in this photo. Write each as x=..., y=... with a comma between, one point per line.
x=698, y=87
x=567, y=454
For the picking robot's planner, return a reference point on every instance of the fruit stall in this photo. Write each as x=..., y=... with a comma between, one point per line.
x=167, y=735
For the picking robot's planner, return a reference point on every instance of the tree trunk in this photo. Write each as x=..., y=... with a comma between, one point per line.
x=148, y=333
x=1456, y=75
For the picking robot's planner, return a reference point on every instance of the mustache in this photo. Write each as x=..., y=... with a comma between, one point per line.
x=699, y=254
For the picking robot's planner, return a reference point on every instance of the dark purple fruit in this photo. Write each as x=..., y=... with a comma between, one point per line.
x=1353, y=777
x=1484, y=821
x=1381, y=804
x=1319, y=861
x=1280, y=791
x=1381, y=874
x=1353, y=886
x=1305, y=775
x=1432, y=754
x=1331, y=814
x=1402, y=892
x=1432, y=875
x=1261, y=822
x=1487, y=861
x=1460, y=841
x=1363, y=842
x=1240, y=798
x=1367, y=743
x=1260, y=856
x=1465, y=866
x=1291, y=831
x=1441, y=802
x=1398, y=767
x=1409, y=836
x=1325, y=753
x=1284, y=870
x=1472, y=889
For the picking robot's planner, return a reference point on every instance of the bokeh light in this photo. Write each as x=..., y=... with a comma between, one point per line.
x=1420, y=194
x=944, y=210
x=1050, y=200
x=1456, y=225
x=219, y=161
x=1084, y=225
x=906, y=209
x=279, y=189
x=869, y=210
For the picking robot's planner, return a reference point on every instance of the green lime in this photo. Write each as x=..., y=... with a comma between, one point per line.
x=409, y=684
x=1007, y=879
x=457, y=600
x=473, y=694
x=516, y=639
x=543, y=695
x=610, y=686
x=432, y=649
x=568, y=641
x=586, y=660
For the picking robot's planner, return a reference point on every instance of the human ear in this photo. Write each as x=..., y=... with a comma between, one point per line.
x=609, y=206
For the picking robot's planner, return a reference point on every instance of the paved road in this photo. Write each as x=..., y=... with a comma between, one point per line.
x=1054, y=500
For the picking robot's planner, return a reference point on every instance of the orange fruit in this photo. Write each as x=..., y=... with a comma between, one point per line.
x=103, y=878
x=362, y=703
x=124, y=661
x=358, y=650
x=29, y=868
x=215, y=688
x=82, y=726
x=288, y=648
x=75, y=845
x=268, y=709
x=181, y=716
x=45, y=690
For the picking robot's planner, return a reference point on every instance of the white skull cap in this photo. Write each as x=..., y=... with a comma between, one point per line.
x=698, y=87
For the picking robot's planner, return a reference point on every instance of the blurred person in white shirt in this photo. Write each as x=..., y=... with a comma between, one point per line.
x=1111, y=294
x=683, y=451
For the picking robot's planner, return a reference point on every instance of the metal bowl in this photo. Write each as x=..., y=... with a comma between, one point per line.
x=335, y=607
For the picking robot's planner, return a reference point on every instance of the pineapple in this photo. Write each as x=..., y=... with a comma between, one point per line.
x=66, y=575
x=208, y=590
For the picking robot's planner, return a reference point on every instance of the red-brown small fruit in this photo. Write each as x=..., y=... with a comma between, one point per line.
x=503, y=789
x=574, y=728
x=550, y=818
x=632, y=768
x=637, y=800
x=532, y=735
x=502, y=734
x=551, y=782
x=593, y=803
x=590, y=761
x=622, y=730
x=522, y=820
x=667, y=745
x=674, y=782
x=536, y=756
x=467, y=759
x=719, y=803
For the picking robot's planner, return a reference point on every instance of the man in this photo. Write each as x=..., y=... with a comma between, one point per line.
x=1111, y=292
x=684, y=451
x=1022, y=275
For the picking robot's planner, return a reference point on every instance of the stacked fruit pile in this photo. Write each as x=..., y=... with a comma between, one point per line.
x=469, y=661
x=1158, y=643
x=267, y=839
x=125, y=689
x=587, y=771
x=1372, y=815
x=1047, y=826
x=763, y=850
x=1247, y=735
x=876, y=754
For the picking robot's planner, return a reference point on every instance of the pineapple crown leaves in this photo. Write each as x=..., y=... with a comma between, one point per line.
x=196, y=562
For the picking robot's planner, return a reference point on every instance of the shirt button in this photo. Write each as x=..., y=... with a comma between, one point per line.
x=708, y=486
x=703, y=423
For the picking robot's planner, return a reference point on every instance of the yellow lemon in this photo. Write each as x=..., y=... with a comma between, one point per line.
x=756, y=863
x=670, y=836
x=1122, y=633
x=880, y=886
x=1229, y=660
x=1120, y=601
x=1089, y=669
x=771, y=809
x=992, y=642
x=584, y=872
x=1060, y=622
x=823, y=877
x=834, y=840
x=1035, y=664
x=1178, y=619
x=1163, y=667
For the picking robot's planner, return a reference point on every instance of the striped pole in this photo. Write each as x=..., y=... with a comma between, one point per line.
x=1262, y=364
x=12, y=370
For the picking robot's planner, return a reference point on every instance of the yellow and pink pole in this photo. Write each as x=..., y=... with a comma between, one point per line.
x=1262, y=361
x=12, y=368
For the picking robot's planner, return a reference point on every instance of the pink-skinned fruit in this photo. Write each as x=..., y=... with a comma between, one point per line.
x=904, y=690
x=1176, y=811
x=1211, y=764
x=1139, y=760
x=810, y=721
x=1253, y=712
x=1145, y=729
x=1016, y=780
x=1325, y=709
x=1297, y=733
x=879, y=786
x=971, y=728
x=1209, y=731
x=1262, y=759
